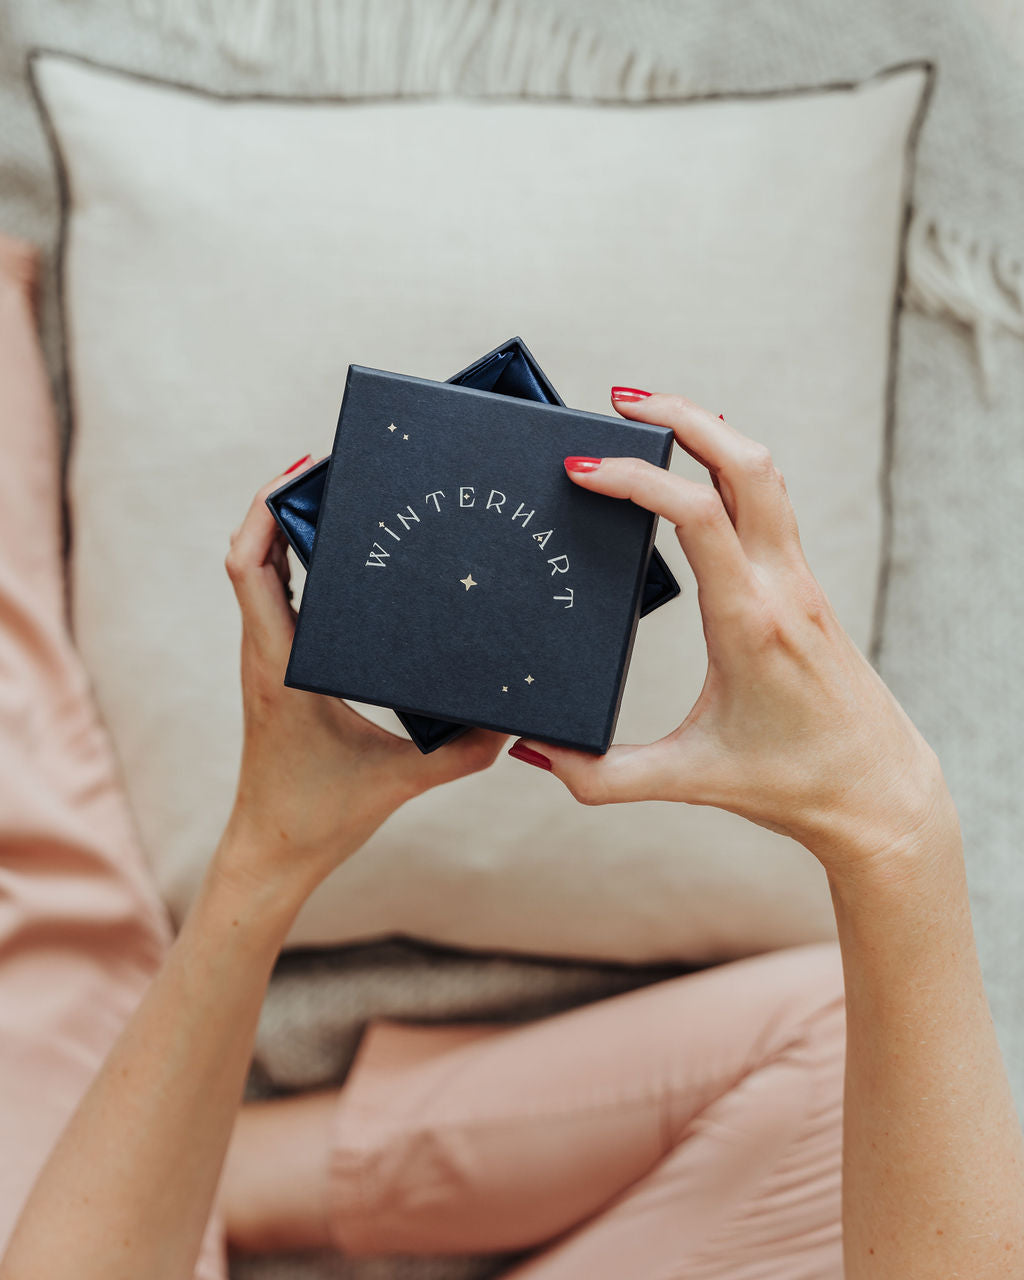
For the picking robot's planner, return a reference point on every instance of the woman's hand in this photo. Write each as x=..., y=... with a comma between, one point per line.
x=793, y=729
x=317, y=778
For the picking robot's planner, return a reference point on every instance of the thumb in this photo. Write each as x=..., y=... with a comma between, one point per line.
x=623, y=773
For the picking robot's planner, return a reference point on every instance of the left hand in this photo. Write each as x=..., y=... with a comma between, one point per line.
x=317, y=778
x=793, y=728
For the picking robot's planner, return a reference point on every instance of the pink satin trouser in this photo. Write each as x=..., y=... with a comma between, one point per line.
x=691, y=1129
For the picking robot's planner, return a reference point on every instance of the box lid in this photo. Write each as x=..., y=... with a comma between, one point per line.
x=458, y=573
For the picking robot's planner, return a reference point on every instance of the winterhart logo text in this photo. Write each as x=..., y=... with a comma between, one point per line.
x=466, y=497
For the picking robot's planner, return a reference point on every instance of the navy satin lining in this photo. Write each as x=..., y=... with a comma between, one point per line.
x=298, y=507
x=507, y=373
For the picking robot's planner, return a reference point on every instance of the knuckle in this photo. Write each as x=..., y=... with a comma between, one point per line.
x=766, y=631
x=812, y=601
x=760, y=621
x=676, y=403
x=707, y=508
x=748, y=616
x=758, y=462
x=786, y=621
x=260, y=700
x=232, y=565
x=634, y=470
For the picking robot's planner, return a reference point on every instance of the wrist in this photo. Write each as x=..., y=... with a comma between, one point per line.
x=905, y=900
x=289, y=845
x=909, y=831
x=255, y=886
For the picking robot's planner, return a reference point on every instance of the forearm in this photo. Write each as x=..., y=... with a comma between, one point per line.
x=933, y=1176
x=130, y=1185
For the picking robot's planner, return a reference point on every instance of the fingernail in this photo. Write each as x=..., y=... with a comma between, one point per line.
x=629, y=393
x=528, y=756
x=304, y=458
x=582, y=464
x=722, y=416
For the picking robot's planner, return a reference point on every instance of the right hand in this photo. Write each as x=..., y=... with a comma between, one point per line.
x=317, y=778
x=793, y=728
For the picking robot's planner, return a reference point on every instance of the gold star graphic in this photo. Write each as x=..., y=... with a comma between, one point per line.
x=392, y=427
x=469, y=581
x=529, y=679
x=504, y=688
x=380, y=524
x=405, y=437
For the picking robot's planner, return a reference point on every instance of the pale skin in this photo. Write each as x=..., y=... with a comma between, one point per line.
x=793, y=730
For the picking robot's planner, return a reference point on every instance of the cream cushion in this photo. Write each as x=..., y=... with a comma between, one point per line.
x=226, y=260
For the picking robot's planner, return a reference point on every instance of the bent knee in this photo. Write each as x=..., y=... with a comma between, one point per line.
x=811, y=1015
x=803, y=991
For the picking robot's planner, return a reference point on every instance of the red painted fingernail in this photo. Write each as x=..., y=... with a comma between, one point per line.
x=528, y=756
x=303, y=459
x=629, y=393
x=722, y=416
x=582, y=464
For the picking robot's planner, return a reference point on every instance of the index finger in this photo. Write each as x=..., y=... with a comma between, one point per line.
x=249, y=563
x=706, y=534
x=752, y=488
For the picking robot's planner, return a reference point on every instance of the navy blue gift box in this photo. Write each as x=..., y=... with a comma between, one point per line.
x=455, y=573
